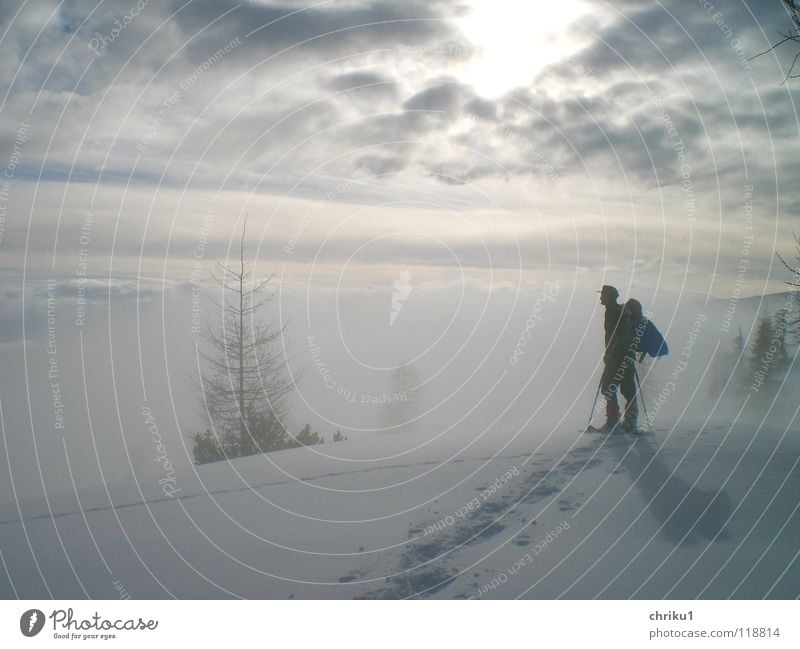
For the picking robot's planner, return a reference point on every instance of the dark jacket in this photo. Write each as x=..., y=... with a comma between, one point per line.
x=610, y=324
x=623, y=330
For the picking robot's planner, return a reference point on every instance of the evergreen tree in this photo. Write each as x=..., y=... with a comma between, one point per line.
x=761, y=342
x=307, y=437
x=793, y=317
x=780, y=362
x=742, y=377
x=740, y=364
x=760, y=362
x=267, y=432
x=207, y=448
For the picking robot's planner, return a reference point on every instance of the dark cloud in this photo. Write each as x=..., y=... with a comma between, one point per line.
x=327, y=29
x=362, y=80
x=606, y=115
x=445, y=95
x=482, y=108
x=346, y=89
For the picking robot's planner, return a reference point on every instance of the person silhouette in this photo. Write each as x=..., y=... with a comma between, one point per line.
x=619, y=359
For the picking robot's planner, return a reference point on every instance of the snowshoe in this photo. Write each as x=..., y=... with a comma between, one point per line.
x=611, y=426
x=616, y=428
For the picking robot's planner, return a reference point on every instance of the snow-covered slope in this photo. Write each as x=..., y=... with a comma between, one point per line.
x=708, y=512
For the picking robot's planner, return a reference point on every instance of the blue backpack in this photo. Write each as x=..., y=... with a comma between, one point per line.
x=652, y=341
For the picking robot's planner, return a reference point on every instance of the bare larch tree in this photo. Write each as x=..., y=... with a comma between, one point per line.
x=245, y=381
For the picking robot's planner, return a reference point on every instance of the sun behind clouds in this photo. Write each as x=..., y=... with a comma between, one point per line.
x=514, y=40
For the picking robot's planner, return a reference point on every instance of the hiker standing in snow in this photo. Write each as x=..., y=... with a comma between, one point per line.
x=619, y=360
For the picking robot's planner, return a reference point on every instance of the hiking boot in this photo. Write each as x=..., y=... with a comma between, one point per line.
x=610, y=426
x=630, y=424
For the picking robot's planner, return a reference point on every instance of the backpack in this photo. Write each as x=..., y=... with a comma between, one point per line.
x=650, y=341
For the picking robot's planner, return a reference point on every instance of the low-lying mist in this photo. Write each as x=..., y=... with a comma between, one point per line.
x=447, y=364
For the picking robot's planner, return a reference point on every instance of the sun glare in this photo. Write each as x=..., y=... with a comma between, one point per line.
x=514, y=40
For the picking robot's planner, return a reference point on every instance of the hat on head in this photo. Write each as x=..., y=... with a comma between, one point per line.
x=609, y=290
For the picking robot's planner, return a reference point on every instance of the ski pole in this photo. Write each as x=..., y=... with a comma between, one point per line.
x=639, y=391
x=596, y=395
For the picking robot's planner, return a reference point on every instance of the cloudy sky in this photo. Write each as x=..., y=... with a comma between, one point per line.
x=501, y=140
